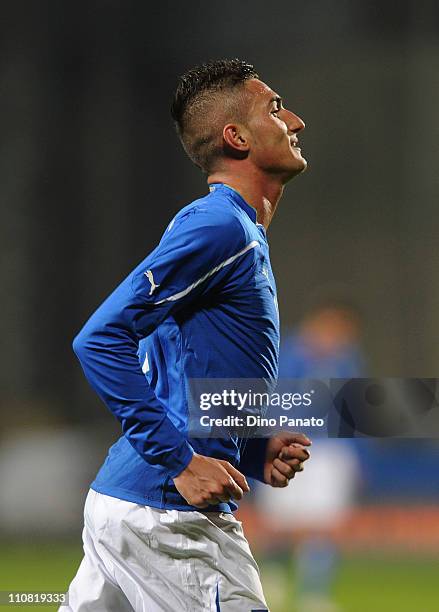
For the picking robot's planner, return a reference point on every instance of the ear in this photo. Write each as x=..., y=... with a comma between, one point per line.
x=235, y=138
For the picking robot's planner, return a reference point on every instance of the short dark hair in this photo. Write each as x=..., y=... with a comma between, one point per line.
x=195, y=105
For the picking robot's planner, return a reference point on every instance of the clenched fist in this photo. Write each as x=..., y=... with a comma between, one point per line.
x=207, y=481
x=285, y=455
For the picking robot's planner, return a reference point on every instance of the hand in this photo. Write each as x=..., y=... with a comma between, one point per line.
x=207, y=481
x=285, y=455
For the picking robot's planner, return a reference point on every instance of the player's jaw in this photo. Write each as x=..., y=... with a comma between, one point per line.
x=284, y=157
x=279, y=158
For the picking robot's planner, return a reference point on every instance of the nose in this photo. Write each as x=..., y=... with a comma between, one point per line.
x=295, y=123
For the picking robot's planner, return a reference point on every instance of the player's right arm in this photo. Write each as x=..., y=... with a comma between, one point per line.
x=207, y=481
x=188, y=262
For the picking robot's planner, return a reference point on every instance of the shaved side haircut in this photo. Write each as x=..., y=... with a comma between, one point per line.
x=207, y=97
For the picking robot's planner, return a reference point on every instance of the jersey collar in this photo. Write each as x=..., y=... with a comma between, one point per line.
x=236, y=197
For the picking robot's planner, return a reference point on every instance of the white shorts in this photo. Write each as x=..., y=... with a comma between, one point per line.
x=148, y=560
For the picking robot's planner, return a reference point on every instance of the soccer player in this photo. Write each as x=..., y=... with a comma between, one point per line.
x=159, y=531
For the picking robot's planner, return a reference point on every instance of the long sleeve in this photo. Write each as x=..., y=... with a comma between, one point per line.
x=192, y=259
x=253, y=458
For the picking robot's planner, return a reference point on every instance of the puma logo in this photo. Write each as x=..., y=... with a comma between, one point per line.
x=150, y=277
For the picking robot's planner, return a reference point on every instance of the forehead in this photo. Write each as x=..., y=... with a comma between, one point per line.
x=259, y=91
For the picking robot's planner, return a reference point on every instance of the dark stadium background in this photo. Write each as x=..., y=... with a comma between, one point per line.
x=91, y=173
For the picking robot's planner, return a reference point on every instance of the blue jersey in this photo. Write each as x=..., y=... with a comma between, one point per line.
x=201, y=305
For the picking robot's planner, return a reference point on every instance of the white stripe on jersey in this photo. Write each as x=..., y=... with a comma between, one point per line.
x=181, y=294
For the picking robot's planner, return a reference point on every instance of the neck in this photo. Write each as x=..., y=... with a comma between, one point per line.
x=261, y=192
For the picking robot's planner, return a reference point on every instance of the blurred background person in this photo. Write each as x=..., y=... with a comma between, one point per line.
x=325, y=344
